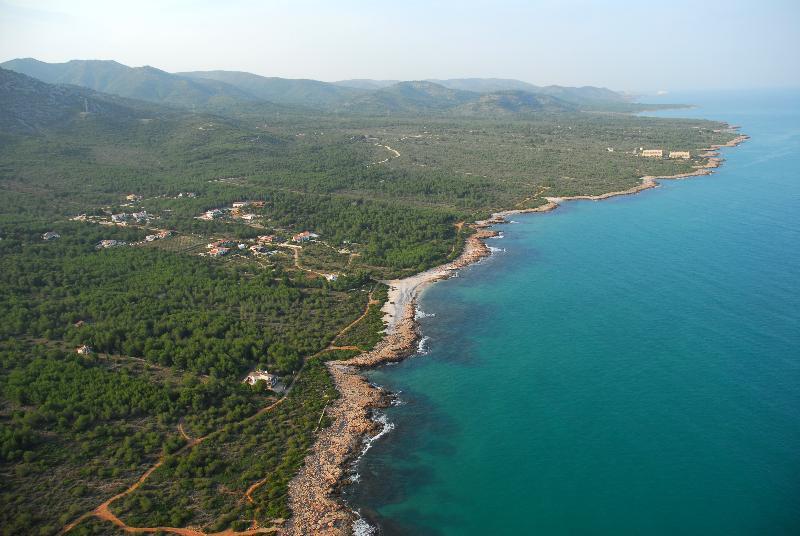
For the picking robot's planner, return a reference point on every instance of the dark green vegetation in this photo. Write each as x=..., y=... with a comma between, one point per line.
x=366, y=333
x=208, y=487
x=174, y=333
x=78, y=429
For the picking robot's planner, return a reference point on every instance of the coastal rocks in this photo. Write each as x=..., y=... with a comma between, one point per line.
x=313, y=494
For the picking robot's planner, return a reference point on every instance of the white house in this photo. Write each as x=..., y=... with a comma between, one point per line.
x=261, y=375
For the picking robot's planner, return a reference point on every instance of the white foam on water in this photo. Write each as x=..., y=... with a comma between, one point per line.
x=387, y=426
x=396, y=400
x=419, y=313
x=496, y=250
x=362, y=528
x=422, y=345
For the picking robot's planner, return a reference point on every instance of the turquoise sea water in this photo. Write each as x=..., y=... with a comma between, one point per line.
x=630, y=366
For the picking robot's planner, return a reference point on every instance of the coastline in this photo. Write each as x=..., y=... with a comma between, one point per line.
x=314, y=492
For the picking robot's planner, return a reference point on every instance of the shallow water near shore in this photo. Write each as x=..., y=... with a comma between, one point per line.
x=629, y=366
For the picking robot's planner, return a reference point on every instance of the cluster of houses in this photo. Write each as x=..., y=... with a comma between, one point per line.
x=222, y=247
x=267, y=239
x=105, y=244
x=133, y=197
x=158, y=236
x=218, y=252
x=305, y=236
x=659, y=153
x=209, y=215
x=137, y=217
x=50, y=235
x=258, y=249
x=236, y=211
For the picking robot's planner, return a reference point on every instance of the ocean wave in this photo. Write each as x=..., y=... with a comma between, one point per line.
x=496, y=250
x=395, y=399
x=387, y=426
x=419, y=313
x=498, y=236
x=362, y=528
x=422, y=345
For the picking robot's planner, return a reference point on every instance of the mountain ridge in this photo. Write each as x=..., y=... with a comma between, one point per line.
x=237, y=91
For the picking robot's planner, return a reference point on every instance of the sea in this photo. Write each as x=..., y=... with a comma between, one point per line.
x=628, y=366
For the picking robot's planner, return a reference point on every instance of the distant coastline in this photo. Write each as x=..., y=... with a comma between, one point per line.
x=314, y=493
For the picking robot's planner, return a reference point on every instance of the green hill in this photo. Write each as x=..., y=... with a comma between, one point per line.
x=584, y=94
x=144, y=83
x=241, y=92
x=578, y=95
x=30, y=105
x=514, y=102
x=365, y=83
x=486, y=85
x=410, y=98
x=280, y=90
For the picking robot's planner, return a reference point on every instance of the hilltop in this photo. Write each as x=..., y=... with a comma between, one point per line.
x=30, y=105
x=280, y=90
x=514, y=102
x=246, y=93
x=410, y=97
x=144, y=83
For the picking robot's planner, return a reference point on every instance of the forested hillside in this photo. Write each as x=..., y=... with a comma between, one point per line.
x=229, y=92
x=144, y=83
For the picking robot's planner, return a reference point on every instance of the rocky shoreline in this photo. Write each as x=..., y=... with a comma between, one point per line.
x=314, y=496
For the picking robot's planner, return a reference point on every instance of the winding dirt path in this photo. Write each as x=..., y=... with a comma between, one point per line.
x=183, y=432
x=370, y=302
x=296, y=250
x=395, y=154
x=104, y=510
x=248, y=495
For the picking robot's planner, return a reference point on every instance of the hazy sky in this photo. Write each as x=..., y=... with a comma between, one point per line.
x=626, y=45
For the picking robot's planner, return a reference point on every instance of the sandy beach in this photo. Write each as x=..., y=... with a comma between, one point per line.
x=314, y=496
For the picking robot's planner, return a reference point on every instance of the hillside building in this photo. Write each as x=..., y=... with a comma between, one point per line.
x=261, y=375
x=680, y=154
